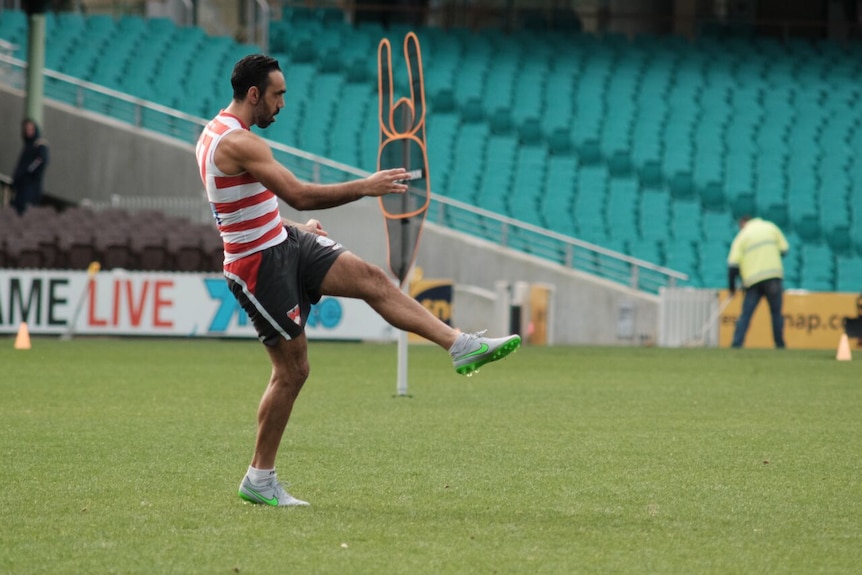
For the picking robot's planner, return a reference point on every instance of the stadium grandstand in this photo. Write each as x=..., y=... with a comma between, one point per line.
x=640, y=136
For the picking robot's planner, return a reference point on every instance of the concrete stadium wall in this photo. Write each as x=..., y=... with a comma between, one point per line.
x=94, y=158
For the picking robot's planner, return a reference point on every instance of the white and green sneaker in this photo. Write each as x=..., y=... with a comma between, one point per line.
x=472, y=350
x=270, y=493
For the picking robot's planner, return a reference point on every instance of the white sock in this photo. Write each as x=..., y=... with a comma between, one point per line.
x=259, y=476
x=456, y=344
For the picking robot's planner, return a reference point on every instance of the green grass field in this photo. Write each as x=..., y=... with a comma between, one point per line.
x=124, y=456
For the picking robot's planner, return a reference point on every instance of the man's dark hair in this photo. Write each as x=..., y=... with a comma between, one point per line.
x=253, y=70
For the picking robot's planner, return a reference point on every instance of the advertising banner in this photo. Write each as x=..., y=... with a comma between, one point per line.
x=812, y=320
x=157, y=304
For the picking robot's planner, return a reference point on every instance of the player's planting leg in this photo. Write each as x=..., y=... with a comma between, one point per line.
x=289, y=371
x=267, y=491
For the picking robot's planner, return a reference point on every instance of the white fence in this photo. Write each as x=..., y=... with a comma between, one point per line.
x=688, y=317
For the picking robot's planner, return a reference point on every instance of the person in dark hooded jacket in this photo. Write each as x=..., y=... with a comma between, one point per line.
x=27, y=179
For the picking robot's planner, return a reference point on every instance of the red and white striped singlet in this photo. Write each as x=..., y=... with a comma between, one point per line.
x=245, y=211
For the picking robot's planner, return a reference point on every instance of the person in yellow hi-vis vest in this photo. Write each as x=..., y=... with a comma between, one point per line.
x=755, y=255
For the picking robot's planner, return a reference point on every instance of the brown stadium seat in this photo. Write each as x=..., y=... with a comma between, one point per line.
x=52, y=255
x=150, y=251
x=77, y=236
x=39, y=215
x=214, y=250
x=79, y=249
x=24, y=252
x=11, y=224
x=115, y=250
x=184, y=244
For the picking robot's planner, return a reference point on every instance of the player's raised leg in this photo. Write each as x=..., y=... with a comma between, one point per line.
x=350, y=276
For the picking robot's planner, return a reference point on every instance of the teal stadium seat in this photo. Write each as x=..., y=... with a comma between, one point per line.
x=777, y=214
x=682, y=256
x=848, y=273
x=352, y=107
x=529, y=173
x=556, y=204
x=793, y=263
x=590, y=199
x=467, y=167
x=621, y=211
x=718, y=226
x=654, y=214
x=558, y=110
x=686, y=218
x=13, y=29
x=495, y=185
x=499, y=91
x=712, y=262
x=315, y=130
x=818, y=267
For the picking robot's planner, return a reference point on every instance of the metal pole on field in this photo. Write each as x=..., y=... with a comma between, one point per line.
x=403, y=348
x=405, y=261
x=402, y=363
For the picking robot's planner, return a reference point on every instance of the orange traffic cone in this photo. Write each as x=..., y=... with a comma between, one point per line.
x=22, y=340
x=844, y=349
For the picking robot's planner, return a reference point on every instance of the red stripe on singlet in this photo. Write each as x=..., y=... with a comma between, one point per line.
x=250, y=224
x=235, y=117
x=230, y=207
x=233, y=248
x=222, y=182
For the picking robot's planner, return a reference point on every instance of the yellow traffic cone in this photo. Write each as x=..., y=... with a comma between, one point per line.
x=844, y=349
x=22, y=340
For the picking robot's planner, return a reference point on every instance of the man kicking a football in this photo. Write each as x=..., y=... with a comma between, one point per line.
x=277, y=269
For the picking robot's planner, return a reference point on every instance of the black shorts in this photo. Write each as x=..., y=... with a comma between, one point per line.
x=277, y=286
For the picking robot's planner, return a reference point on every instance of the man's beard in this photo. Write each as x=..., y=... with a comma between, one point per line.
x=266, y=121
x=265, y=118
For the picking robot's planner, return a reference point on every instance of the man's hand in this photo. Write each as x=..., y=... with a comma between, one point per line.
x=312, y=226
x=386, y=182
x=732, y=274
x=315, y=227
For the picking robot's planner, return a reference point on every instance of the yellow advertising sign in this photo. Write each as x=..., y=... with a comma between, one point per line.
x=436, y=297
x=812, y=320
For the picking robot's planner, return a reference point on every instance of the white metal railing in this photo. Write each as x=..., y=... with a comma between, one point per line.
x=7, y=48
x=688, y=317
x=561, y=249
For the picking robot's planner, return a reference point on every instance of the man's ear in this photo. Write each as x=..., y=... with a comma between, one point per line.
x=253, y=95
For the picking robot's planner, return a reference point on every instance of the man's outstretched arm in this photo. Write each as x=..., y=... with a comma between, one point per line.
x=244, y=151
